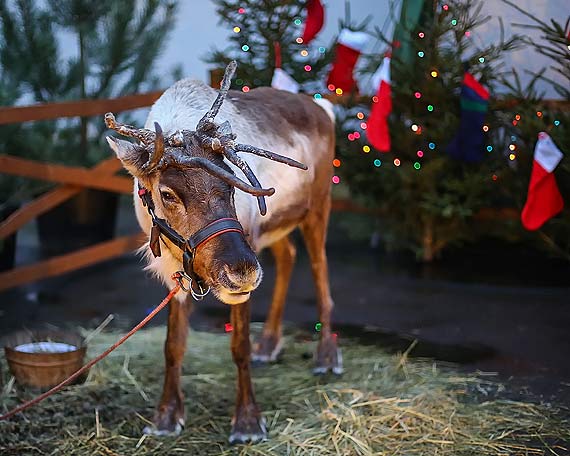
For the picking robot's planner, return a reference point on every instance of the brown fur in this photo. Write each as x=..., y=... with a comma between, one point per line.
x=277, y=112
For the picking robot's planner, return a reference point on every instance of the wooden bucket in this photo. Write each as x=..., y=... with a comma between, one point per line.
x=43, y=365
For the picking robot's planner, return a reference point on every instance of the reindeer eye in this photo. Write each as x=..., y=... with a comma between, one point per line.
x=167, y=197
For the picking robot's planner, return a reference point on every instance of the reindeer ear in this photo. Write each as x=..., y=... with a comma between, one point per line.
x=131, y=155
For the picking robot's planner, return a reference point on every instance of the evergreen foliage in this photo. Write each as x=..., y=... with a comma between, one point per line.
x=261, y=24
x=23, y=140
x=116, y=47
x=427, y=199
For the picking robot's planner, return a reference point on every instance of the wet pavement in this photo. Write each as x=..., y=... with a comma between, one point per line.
x=490, y=306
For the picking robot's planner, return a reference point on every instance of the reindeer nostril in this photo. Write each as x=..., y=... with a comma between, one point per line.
x=240, y=276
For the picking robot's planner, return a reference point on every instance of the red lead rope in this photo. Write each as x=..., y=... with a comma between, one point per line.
x=94, y=361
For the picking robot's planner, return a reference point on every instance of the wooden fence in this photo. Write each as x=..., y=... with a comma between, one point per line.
x=73, y=180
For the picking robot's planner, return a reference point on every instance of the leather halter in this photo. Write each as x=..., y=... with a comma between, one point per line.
x=160, y=227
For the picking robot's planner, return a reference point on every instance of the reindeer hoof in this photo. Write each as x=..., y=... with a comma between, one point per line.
x=328, y=357
x=168, y=421
x=267, y=349
x=174, y=432
x=248, y=430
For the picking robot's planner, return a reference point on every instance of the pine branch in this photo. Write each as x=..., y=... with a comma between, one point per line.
x=116, y=44
x=524, y=12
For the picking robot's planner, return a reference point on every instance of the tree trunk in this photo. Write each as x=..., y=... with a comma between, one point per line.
x=428, y=252
x=83, y=145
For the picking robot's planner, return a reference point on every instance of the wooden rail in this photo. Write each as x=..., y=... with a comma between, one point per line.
x=61, y=174
x=86, y=108
x=74, y=179
x=81, y=108
x=70, y=262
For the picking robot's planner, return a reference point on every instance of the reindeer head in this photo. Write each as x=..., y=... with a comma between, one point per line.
x=192, y=186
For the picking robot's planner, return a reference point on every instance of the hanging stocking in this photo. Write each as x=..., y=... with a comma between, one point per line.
x=468, y=143
x=544, y=199
x=315, y=20
x=348, y=48
x=281, y=79
x=377, y=125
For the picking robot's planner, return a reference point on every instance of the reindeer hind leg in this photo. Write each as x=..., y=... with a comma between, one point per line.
x=314, y=229
x=268, y=347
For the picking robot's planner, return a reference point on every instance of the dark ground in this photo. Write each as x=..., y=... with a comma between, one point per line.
x=490, y=306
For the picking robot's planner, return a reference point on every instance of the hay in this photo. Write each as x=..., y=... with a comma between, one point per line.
x=383, y=404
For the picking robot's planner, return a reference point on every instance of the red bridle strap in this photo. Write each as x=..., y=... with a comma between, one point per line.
x=213, y=230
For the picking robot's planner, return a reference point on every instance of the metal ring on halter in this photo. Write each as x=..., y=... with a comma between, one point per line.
x=198, y=296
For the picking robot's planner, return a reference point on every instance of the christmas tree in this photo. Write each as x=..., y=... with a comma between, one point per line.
x=426, y=192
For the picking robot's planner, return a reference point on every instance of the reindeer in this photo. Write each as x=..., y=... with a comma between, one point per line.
x=200, y=227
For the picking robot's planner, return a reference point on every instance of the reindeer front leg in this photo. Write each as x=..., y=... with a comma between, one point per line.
x=169, y=416
x=247, y=424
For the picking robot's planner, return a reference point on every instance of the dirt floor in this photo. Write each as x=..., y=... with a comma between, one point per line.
x=489, y=307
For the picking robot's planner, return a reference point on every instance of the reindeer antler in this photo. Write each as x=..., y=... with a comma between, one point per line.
x=145, y=136
x=220, y=137
x=215, y=170
x=210, y=135
x=207, y=122
x=251, y=177
x=142, y=134
x=270, y=155
x=155, y=156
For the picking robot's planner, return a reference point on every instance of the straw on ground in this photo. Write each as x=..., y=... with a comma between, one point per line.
x=382, y=405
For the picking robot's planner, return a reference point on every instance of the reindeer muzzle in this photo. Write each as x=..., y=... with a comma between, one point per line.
x=160, y=227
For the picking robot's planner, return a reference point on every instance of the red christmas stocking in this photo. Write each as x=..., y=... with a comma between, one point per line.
x=281, y=79
x=377, y=125
x=348, y=48
x=544, y=199
x=315, y=20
